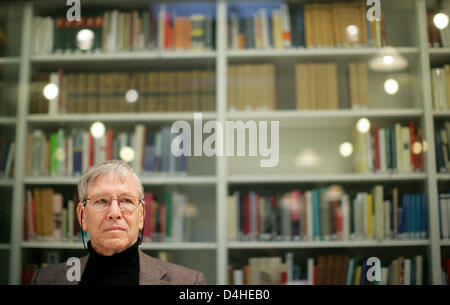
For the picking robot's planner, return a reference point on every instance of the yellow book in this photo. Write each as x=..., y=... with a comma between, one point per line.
x=369, y=216
x=358, y=275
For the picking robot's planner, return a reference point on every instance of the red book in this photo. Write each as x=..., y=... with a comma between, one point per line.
x=246, y=215
x=162, y=219
x=411, y=145
x=147, y=234
x=257, y=216
x=376, y=147
x=168, y=39
x=91, y=150
x=109, y=144
x=315, y=275
x=283, y=277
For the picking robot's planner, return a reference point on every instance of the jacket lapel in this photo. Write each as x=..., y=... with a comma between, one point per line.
x=151, y=271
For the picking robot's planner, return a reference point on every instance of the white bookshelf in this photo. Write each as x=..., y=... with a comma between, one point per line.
x=325, y=244
x=226, y=175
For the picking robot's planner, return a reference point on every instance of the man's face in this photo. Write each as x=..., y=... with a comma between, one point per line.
x=111, y=230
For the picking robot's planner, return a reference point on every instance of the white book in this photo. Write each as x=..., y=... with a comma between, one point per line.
x=365, y=226
x=238, y=277
x=384, y=275
x=382, y=143
x=234, y=23
x=310, y=270
x=419, y=269
x=139, y=132
x=406, y=150
x=114, y=31
x=264, y=28
x=442, y=88
x=379, y=212
x=289, y=258
x=53, y=103
x=387, y=219
x=231, y=217
x=407, y=272
x=369, y=151
x=286, y=23
x=355, y=217
x=161, y=26
x=309, y=215
x=444, y=215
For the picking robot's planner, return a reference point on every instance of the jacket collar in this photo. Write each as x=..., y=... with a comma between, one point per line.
x=151, y=271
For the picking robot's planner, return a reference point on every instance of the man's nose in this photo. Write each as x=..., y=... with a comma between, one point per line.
x=114, y=209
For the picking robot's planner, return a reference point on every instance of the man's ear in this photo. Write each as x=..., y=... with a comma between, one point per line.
x=81, y=215
x=142, y=216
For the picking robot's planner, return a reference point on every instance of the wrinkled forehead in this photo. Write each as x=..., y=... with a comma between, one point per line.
x=123, y=179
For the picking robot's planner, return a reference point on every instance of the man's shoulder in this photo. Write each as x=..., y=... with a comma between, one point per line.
x=55, y=274
x=170, y=272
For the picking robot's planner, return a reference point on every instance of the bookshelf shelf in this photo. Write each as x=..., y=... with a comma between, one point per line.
x=439, y=51
x=185, y=180
x=445, y=242
x=117, y=117
x=441, y=114
x=5, y=247
x=306, y=117
x=6, y=182
x=314, y=52
x=144, y=246
x=13, y=60
x=443, y=177
x=123, y=56
x=330, y=244
x=354, y=178
x=4, y=120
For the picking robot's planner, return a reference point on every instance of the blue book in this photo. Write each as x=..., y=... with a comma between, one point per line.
x=363, y=278
x=441, y=167
x=418, y=215
x=350, y=268
x=406, y=216
x=316, y=215
x=423, y=214
x=413, y=271
x=399, y=221
x=252, y=197
x=301, y=26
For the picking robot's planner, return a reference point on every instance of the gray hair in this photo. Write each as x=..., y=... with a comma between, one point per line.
x=118, y=168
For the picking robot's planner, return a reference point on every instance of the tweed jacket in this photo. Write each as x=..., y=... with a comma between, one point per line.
x=152, y=271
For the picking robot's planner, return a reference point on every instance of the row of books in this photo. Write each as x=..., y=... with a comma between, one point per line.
x=316, y=86
x=441, y=133
x=51, y=216
x=327, y=270
x=341, y=24
x=71, y=153
x=437, y=37
x=251, y=86
x=156, y=91
x=440, y=87
x=395, y=148
x=167, y=219
x=320, y=215
x=7, y=153
x=123, y=31
x=444, y=212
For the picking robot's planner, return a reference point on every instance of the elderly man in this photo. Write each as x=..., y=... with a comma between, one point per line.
x=112, y=211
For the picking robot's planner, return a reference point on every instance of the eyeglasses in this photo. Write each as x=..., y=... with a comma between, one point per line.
x=126, y=203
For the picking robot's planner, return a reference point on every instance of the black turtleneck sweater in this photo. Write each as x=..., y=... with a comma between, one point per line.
x=119, y=269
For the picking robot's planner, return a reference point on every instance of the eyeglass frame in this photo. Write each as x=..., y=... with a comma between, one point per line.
x=140, y=201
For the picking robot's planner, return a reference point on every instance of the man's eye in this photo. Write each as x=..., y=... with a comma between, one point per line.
x=101, y=201
x=126, y=200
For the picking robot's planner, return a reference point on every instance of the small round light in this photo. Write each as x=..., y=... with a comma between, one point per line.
x=388, y=60
x=50, y=91
x=97, y=129
x=363, y=125
x=391, y=86
x=352, y=32
x=127, y=154
x=60, y=154
x=131, y=96
x=85, y=39
x=417, y=148
x=346, y=149
x=440, y=20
